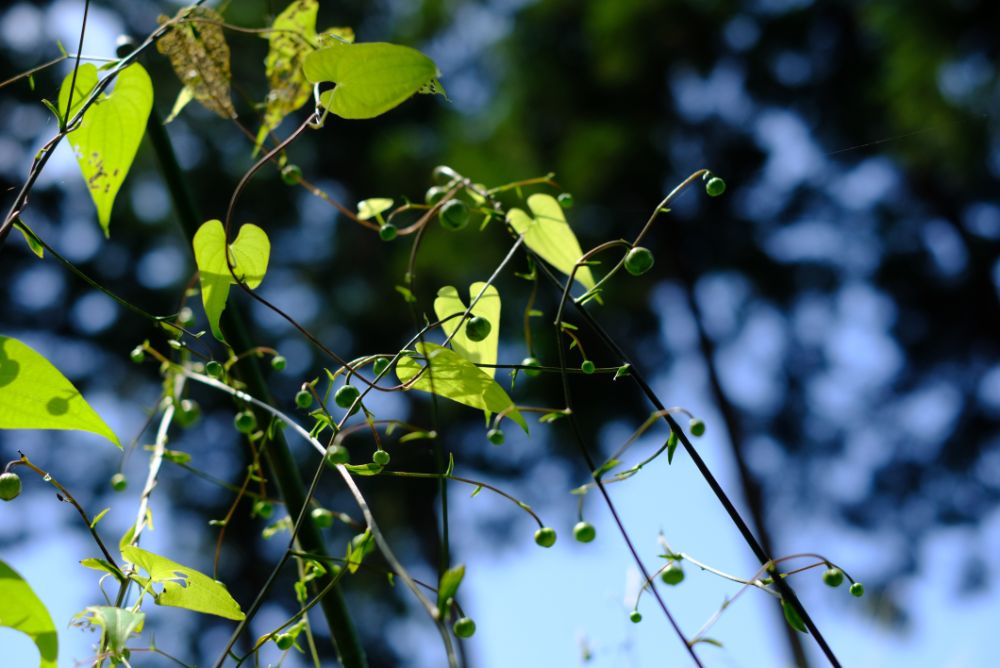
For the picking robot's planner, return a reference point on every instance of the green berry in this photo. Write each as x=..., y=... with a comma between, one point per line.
x=495, y=436
x=381, y=457
x=477, y=328
x=337, y=454
x=346, y=395
x=454, y=215
x=185, y=317
x=387, y=232
x=119, y=482
x=137, y=355
x=214, y=369
x=715, y=186
x=10, y=486
x=434, y=194
x=278, y=363
x=584, y=532
x=284, y=641
x=857, y=589
x=263, y=509
x=291, y=174
x=380, y=365
x=588, y=367
x=565, y=200
x=635, y=617
x=187, y=413
x=833, y=577
x=638, y=261
x=673, y=574
x=546, y=537
x=532, y=362
x=464, y=627
x=245, y=422
x=303, y=399
x=322, y=518
x=697, y=427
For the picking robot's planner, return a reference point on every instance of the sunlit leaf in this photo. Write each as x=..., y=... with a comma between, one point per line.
x=249, y=254
x=291, y=39
x=183, y=98
x=110, y=131
x=360, y=547
x=33, y=243
x=22, y=611
x=547, y=233
x=448, y=302
x=372, y=207
x=117, y=625
x=183, y=587
x=370, y=78
x=197, y=49
x=448, y=585
x=35, y=395
x=453, y=377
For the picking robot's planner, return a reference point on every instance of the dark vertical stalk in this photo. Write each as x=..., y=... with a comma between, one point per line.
x=278, y=457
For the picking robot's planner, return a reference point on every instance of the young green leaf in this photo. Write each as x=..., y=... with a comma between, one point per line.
x=290, y=40
x=448, y=585
x=117, y=625
x=21, y=610
x=197, y=49
x=547, y=233
x=183, y=587
x=35, y=395
x=110, y=131
x=448, y=303
x=249, y=254
x=372, y=207
x=792, y=617
x=358, y=548
x=371, y=78
x=455, y=378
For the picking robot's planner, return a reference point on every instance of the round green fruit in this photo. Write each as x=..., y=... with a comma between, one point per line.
x=477, y=328
x=546, y=537
x=119, y=482
x=291, y=174
x=857, y=589
x=263, y=509
x=322, y=518
x=697, y=427
x=673, y=574
x=137, y=355
x=284, y=641
x=454, y=215
x=638, y=261
x=495, y=436
x=303, y=399
x=10, y=486
x=464, y=627
x=565, y=200
x=245, y=422
x=531, y=362
x=381, y=457
x=380, y=365
x=214, y=369
x=278, y=363
x=434, y=194
x=337, y=454
x=346, y=395
x=833, y=577
x=635, y=617
x=187, y=413
x=387, y=232
x=584, y=532
x=715, y=186
x=588, y=367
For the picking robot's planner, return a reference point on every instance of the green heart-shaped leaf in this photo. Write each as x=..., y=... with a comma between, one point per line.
x=249, y=254
x=35, y=395
x=453, y=377
x=548, y=234
x=21, y=610
x=371, y=78
x=109, y=134
x=448, y=303
x=183, y=587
